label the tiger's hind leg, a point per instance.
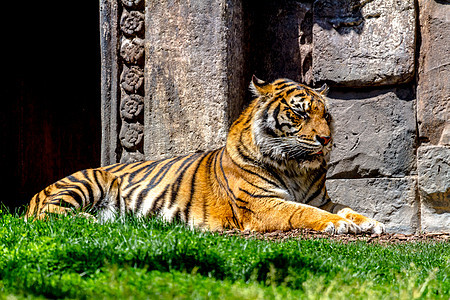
(112, 205)
(83, 192)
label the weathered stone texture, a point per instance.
(363, 43)
(433, 166)
(390, 201)
(194, 83)
(445, 136)
(374, 133)
(433, 91)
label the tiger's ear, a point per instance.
(260, 87)
(323, 90)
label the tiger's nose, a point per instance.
(324, 140)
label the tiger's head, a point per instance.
(291, 124)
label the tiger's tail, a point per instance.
(84, 191)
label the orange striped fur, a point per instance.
(269, 176)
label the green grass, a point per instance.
(75, 258)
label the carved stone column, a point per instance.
(122, 40)
(131, 67)
(172, 76)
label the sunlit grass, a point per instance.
(76, 258)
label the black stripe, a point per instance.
(316, 183)
(266, 128)
(229, 191)
(159, 202)
(116, 168)
(97, 182)
(207, 166)
(126, 165)
(283, 101)
(256, 196)
(290, 220)
(246, 158)
(275, 114)
(275, 99)
(86, 183)
(70, 191)
(283, 81)
(240, 149)
(139, 198)
(58, 201)
(235, 219)
(178, 181)
(323, 197)
(291, 90)
(284, 84)
(313, 196)
(279, 125)
(159, 176)
(326, 202)
(156, 208)
(148, 169)
(110, 167)
(187, 209)
(47, 191)
(59, 185)
(256, 186)
(269, 131)
(276, 176)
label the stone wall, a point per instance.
(175, 76)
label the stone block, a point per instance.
(374, 133)
(363, 43)
(433, 166)
(445, 136)
(194, 84)
(390, 201)
(433, 90)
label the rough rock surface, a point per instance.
(433, 166)
(433, 90)
(374, 133)
(390, 201)
(194, 82)
(363, 43)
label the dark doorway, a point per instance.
(50, 117)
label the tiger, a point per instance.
(269, 176)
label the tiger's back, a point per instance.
(269, 176)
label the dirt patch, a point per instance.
(307, 234)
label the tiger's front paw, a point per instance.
(341, 226)
(366, 224)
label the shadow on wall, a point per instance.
(280, 33)
(343, 16)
